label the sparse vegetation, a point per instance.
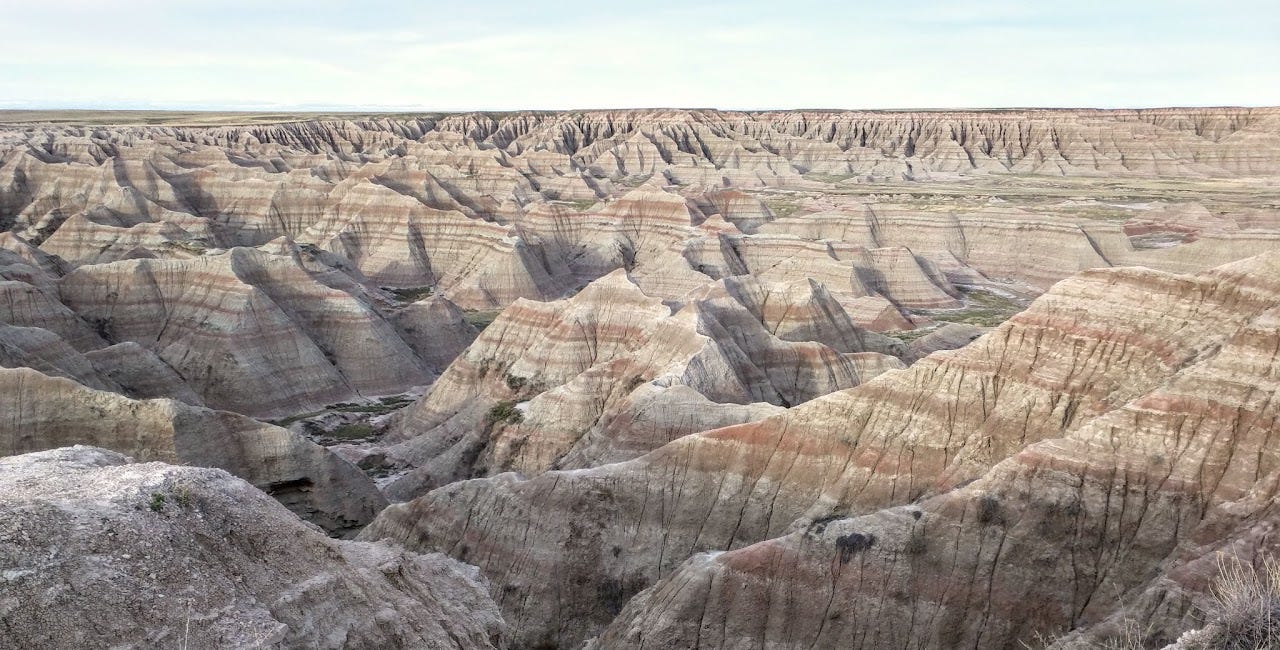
(505, 411)
(383, 406)
(191, 246)
(982, 308)
(907, 336)
(633, 181)
(157, 502)
(516, 382)
(182, 495)
(828, 178)
(411, 294)
(581, 205)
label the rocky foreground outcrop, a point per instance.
(97, 551)
(1105, 437)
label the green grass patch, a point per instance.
(481, 319)
(828, 178)
(581, 205)
(284, 422)
(633, 181)
(355, 431)
(982, 308)
(782, 206)
(907, 336)
(516, 382)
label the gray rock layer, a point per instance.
(96, 551)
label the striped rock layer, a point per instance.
(610, 374)
(1082, 438)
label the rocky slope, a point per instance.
(1117, 520)
(98, 551)
(608, 374)
(142, 234)
(221, 329)
(43, 412)
(1064, 368)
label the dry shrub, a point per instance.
(1246, 604)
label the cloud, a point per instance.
(750, 54)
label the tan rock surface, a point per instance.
(1117, 520)
(1088, 347)
(231, 325)
(548, 383)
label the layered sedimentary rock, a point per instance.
(550, 382)
(1085, 349)
(691, 300)
(492, 210)
(101, 551)
(232, 325)
(43, 412)
(1117, 521)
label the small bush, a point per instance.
(989, 510)
(516, 382)
(480, 319)
(853, 543)
(182, 495)
(157, 501)
(1246, 604)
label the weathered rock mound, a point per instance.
(98, 551)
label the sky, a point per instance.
(425, 55)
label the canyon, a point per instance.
(635, 379)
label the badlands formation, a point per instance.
(636, 379)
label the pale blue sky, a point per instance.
(502, 54)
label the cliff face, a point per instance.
(1060, 371)
(98, 550)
